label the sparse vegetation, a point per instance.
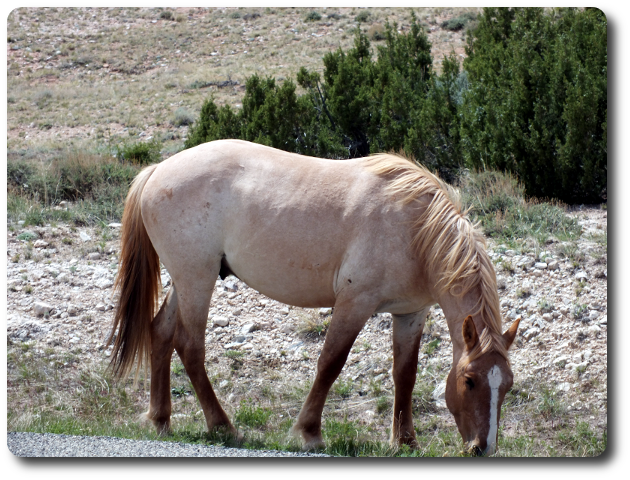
(66, 122)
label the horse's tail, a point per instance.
(137, 282)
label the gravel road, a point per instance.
(24, 444)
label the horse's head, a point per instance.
(475, 390)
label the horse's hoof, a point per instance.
(313, 445)
(163, 428)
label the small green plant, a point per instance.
(234, 354)
(28, 289)
(432, 346)
(579, 311)
(180, 391)
(507, 266)
(28, 236)
(252, 416)
(313, 325)
(549, 405)
(341, 388)
(583, 441)
(382, 405)
(376, 387)
(178, 368)
(15, 258)
(545, 305)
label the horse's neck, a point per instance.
(456, 309)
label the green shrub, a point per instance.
(139, 153)
(458, 23)
(167, 15)
(537, 103)
(531, 101)
(98, 185)
(363, 16)
(182, 117)
(312, 16)
(497, 201)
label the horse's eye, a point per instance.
(470, 383)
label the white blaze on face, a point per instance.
(494, 380)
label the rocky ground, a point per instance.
(60, 299)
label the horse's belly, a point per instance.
(300, 282)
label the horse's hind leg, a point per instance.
(406, 332)
(347, 321)
(162, 331)
(189, 342)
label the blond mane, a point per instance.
(447, 242)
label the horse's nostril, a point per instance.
(475, 451)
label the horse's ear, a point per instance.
(510, 333)
(469, 332)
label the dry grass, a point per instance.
(97, 76)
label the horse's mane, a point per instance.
(447, 242)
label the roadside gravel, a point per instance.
(53, 445)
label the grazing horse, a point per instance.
(368, 235)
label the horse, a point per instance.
(367, 235)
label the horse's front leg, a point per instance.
(162, 331)
(406, 333)
(347, 321)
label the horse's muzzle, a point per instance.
(475, 451)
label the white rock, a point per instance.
(94, 256)
(578, 366)
(531, 333)
(593, 315)
(565, 386)
(603, 320)
(561, 361)
(540, 265)
(288, 329)
(40, 244)
(72, 309)
(439, 395)
(63, 278)
(248, 328)
(284, 311)
(100, 307)
(325, 311)
(581, 276)
(547, 317)
(115, 225)
(220, 321)
(84, 236)
(41, 308)
(553, 265)
(594, 330)
(104, 283)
